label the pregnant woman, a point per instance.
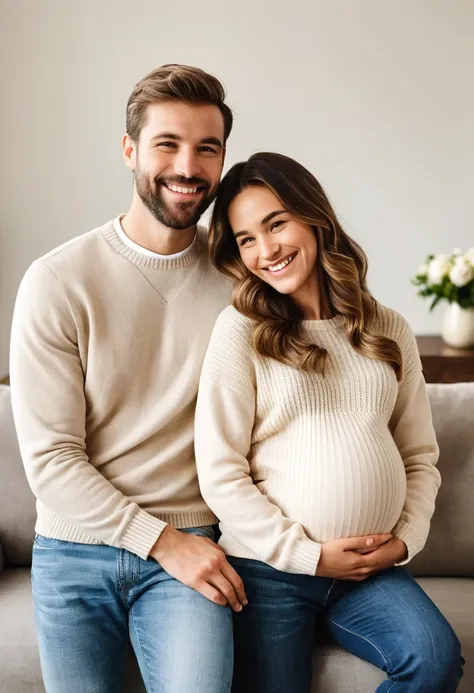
(315, 445)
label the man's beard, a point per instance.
(181, 215)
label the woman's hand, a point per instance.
(358, 558)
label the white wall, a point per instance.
(375, 97)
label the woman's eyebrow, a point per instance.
(264, 221)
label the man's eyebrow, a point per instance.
(166, 135)
(172, 136)
(264, 221)
(212, 140)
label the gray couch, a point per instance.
(445, 568)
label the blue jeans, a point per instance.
(91, 599)
(387, 620)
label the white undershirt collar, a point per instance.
(144, 251)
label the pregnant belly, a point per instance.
(347, 487)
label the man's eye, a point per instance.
(207, 150)
(168, 145)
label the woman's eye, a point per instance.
(276, 224)
(245, 241)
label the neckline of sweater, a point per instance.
(194, 252)
(323, 325)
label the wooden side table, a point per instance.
(444, 364)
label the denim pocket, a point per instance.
(41, 542)
(49, 544)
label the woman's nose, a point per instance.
(269, 248)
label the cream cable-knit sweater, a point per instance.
(288, 460)
(106, 351)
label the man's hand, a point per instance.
(358, 558)
(199, 563)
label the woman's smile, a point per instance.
(281, 265)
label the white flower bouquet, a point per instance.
(447, 277)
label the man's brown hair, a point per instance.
(175, 83)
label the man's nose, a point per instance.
(185, 164)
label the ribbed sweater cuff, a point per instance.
(142, 534)
(305, 557)
(413, 540)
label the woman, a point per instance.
(315, 445)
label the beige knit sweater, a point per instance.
(106, 350)
(288, 460)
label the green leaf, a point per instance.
(437, 299)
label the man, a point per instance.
(108, 337)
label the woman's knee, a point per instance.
(432, 662)
(447, 662)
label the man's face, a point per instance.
(178, 161)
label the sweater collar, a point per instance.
(188, 257)
(323, 325)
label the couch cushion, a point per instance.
(17, 503)
(19, 661)
(2, 561)
(450, 546)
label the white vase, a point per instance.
(458, 326)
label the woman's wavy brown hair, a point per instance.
(341, 264)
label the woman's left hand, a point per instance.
(393, 551)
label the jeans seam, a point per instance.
(392, 687)
(147, 672)
(329, 592)
(362, 637)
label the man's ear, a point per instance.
(129, 150)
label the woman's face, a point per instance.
(273, 244)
